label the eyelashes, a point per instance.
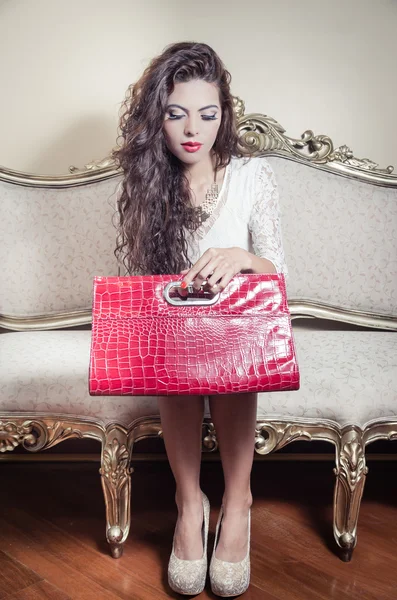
(204, 117)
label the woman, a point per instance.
(191, 204)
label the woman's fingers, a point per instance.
(214, 267)
(221, 282)
(211, 271)
(195, 274)
(201, 271)
(221, 276)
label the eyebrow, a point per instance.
(186, 110)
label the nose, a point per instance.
(191, 126)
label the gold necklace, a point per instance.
(205, 210)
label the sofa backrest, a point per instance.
(340, 239)
(54, 241)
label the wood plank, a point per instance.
(83, 572)
(21, 545)
(39, 591)
(14, 575)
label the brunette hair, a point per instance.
(155, 205)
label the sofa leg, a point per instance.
(350, 472)
(116, 484)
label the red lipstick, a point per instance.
(192, 146)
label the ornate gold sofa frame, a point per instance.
(340, 236)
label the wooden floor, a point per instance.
(52, 542)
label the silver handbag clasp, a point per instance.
(200, 298)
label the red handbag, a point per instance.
(147, 339)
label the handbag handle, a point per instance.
(188, 301)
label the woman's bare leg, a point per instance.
(234, 417)
(181, 422)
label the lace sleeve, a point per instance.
(264, 222)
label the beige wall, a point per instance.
(329, 66)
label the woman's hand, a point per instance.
(217, 266)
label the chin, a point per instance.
(189, 159)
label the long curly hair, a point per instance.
(155, 203)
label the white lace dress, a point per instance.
(246, 215)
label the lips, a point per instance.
(191, 147)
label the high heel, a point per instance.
(188, 576)
(230, 578)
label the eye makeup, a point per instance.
(173, 117)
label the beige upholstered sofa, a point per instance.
(339, 219)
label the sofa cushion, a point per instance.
(346, 376)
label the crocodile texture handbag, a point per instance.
(148, 339)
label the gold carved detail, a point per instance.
(96, 165)
(344, 155)
(260, 134)
(383, 429)
(238, 106)
(115, 463)
(350, 472)
(115, 474)
(34, 435)
(58, 432)
(209, 441)
(12, 435)
(273, 435)
(351, 467)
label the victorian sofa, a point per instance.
(339, 221)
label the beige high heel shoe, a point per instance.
(230, 578)
(188, 576)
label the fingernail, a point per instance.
(183, 285)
